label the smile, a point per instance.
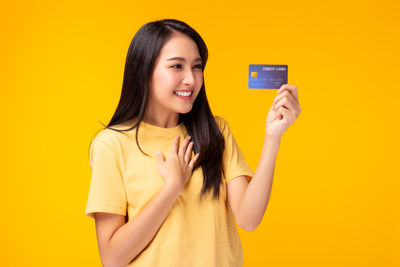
(183, 93)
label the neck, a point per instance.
(162, 120)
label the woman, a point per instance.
(168, 178)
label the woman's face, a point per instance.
(177, 70)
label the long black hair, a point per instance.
(199, 122)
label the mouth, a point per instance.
(184, 94)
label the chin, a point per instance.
(185, 110)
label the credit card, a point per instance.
(267, 76)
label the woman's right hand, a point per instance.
(177, 168)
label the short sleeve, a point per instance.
(107, 190)
(234, 163)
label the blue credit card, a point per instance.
(267, 76)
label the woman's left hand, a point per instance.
(283, 112)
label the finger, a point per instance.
(282, 95)
(286, 114)
(183, 146)
(193, 161)
(160, 156)
(175, 142)
(287, 95)
(288, 103)
(188, 152)
(291, 88)
(276, 116)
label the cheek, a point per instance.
(161, 84)
(164, 78)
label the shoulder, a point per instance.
(221, 122)
(224, 127)
(109, 137)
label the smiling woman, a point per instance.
(177, 76)
(178, 210)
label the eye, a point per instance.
(198, 66)
(180, 66)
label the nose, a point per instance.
(188, 78)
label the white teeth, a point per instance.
(183, 93)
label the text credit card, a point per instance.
(267, 76)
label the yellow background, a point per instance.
(335, 196)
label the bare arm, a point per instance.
(249, 201)
(119, 242)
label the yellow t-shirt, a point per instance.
(124, 181)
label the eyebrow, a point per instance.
(182, 59)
